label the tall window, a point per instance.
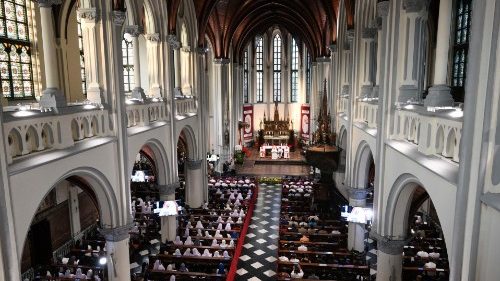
(277, 68)
(295, 72)
(308, 77)
(461, 45)
(15, 50)
(259, 70)
(83, 75)
(128, 63)
(245, 76)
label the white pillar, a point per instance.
(368, 66)
(414, 46)
(89, 20)
(194, 186)
(390, 259)
(440, 92)
(177, 63)
(117, 252)
(51, 97)
(356, 231)
(221, 117)
(134, 31)
(168, 224)
(154, 61)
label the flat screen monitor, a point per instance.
(166, 208)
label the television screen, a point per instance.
(166, 208)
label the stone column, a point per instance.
(367, 74)
(89, 19)
(134, 31)
(168, 224)
(440, 92)
(414, 48)
(390, 259)
(382, 12)
(333, 97)
(203, 111)
(194, 183)
(174, 44)
(153, 41)
(117, 252)
(221, 115)
(177, 64)
(356, 231)
(52, 97)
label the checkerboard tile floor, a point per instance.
(258, 258)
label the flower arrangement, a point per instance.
(270, 180)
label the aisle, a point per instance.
(258, 258)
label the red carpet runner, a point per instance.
(243, 234)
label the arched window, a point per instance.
(128, 63)
(259, 70)
(245, 76)
(295, 72)
(15, 50)
(277, 68)
(308, 77)
(461, 46)
(83, 75)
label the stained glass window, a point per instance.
(308, 77)
(277, 68)
(295, 72)
(83, 75)
(16, 71)
(245, 77)
(259, 70)
(461, 45)
(128, 63)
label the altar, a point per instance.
(275, 151)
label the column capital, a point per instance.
(415, 6)
(357, 193)
(383, 9)
(323, 59)
(134, 30)
(193, 164)
(88, 14)
(169, 189)
(369, 33)
(116, 234)
(202, 50)
(186, 49)
(118, 17)
(173, 41)
(332, 48)
(222, 61)
(388, 245)
(48, 3)
(153, 37)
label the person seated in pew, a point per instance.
(216, 254)
(304, 238)
(172, 277)
(294, 259)
(177, 253)
(297, 272)
(322, 230)
(178, 241)
(313, 277)
(171, 267)
(302, 230)
(206, 253)
(225, 255)
(283, 258)
(188, 241)
(220, 269)
(196, 253)
(183, 268)
(302, 248)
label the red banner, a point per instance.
(248, 118)
(305, 117)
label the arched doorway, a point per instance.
(190, 170)
(63, 236)
(412, 218)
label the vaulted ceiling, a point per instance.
(236, 22)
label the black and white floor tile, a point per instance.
(258, 258)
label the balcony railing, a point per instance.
(185, 107)
(435, 133)
(367, 112)
(28, 130)
(145, 113)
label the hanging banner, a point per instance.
(305, 116)
(248, 119)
